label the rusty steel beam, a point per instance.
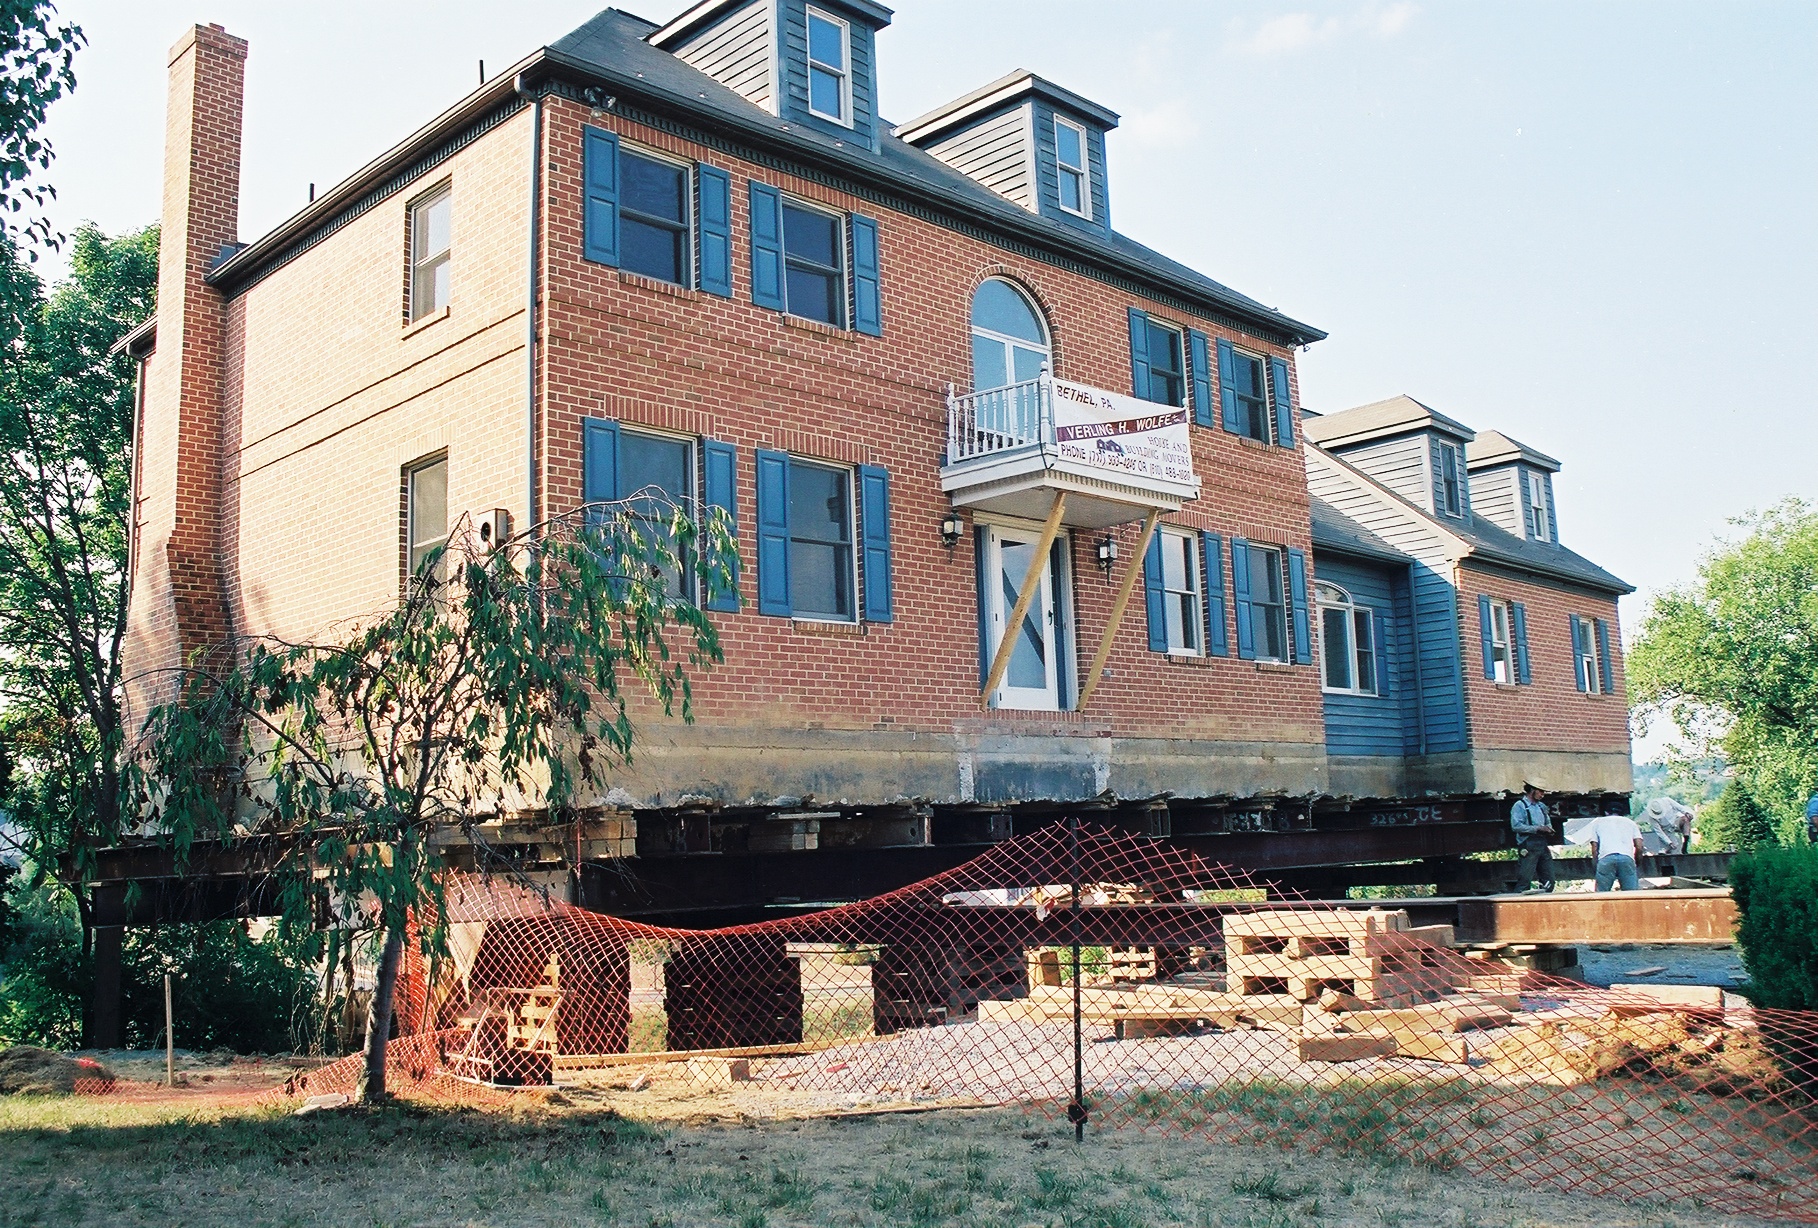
(1694, 916)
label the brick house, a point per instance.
(932, 386)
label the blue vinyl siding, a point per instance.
(1047, 174)
(793, 18)
(1433, 602)
(1373, 724)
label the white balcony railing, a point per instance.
(1000, 419)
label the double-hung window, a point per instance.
(1268, 607)
(1501, 649)
(656, 478)
(1183, 589)
(1167, 378)
(1348, 641)
(1070, 162)
(1247, 383)
(1590, 653)
(653, 218)
(820, 541)
(426, 514)
(814, 278)
(1537, 502)
(1451, 492)
(430, 244)
(829, 77)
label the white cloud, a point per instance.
(1293, 32)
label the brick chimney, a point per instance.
(178, 601)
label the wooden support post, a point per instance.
(1117, 608)
(1012, 625)
(170, 1039)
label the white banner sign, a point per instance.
(1121, 434)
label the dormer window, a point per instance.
(829, 79)
(1451, 466)
(1070, 158)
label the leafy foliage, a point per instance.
(1737, 821)
(66, 419)
(1732, 660)
(496, 683)
(37, 67)
(1776, 892)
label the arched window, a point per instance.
(1347, 642)
(1009, 340)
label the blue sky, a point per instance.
(1589, 225)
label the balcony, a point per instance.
(1011, 450)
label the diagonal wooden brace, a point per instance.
(1117, 608)
(1000, 661)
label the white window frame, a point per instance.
(423, 266)
(1587, 658)
(1452, 501)
(1286, 606)
(689, 238)
(1502, 640)
(853, 545)
(1332, 597)
(1193, 629)
(1063, 169)
(1542, 511)
(844, 119)
(1011, 344)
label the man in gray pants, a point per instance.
(1533, 836)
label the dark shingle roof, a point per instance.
(1498, 545)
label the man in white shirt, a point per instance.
(1615, 843)
(1673, 821)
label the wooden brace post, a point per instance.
(1117, 608)
(1000, 661)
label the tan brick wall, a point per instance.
(1550, 713)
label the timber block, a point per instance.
(1312, 923)
(1344, 1048)
(1426, 1046)
(1320, 967)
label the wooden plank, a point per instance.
(1322, 967)
(1344, 1048)
(1132, 570)
(590, 1061)
(1441, 1016)
(1038, 559)
(1289, 923)
(1427, 1046)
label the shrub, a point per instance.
(1776, 891)
(1737, 821)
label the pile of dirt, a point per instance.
(25, 1071)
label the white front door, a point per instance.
(1033, 677)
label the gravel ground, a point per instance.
(1684, 964)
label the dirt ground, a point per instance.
(194, 1157)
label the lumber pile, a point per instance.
(511, 1041)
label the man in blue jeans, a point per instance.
(1615, 843)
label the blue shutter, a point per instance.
(773, 532)
(599, 460)
(1202, 377)
(1154, 596)
(1518, 615)
(1218, 644)
(714, 229)
(1283, 403)
(720, 460)
(1297, 593)
(1487, 635)
(600, 192)
(874, 529)
(1240, 594)
(766, 246)
(1605, 682)
(1578, 673)
(1139, 354)
(867, 303)
(1227, 387)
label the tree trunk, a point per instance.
(378, 1021)
(324, 1039)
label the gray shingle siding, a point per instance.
(1495, 497)
(1400, 464)
(996, 152)
(736, 52)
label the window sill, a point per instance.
(1506, 686)
(1192, 659)
(1260, 445)
(816, 326)
(1273, 667)
(817, 626)
(433, 318)
(1328, 690)
(657, 284)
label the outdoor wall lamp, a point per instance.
(1107, 553)
(951, 528)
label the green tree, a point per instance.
(37, 67)
(66, 422)
(498, 680)
(1737, 821)
(1732, 660)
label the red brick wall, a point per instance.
(1550, 713)
(620, 347)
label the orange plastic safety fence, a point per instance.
(1202, 1007)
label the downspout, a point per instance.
(530, 302)
(1420, 689)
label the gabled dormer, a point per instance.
(1512, 486)
(812, 62)
(1030, 141)
(1414, 450)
